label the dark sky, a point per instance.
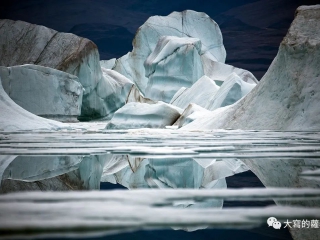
(252, 29)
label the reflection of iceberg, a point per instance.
(50, 173)
(177, 173)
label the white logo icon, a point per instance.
(276, 225)
(271, 220)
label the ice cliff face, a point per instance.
(15, 118)
(26, 43)
(104, 91)
(287, 96)
(43, 91)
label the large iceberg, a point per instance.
(43, 91)
(27, 43)
(179, 24)
(287, 98)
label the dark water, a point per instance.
(153, 160)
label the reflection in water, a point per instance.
(51, 173)
(154, 160)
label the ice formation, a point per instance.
(232, 89)
(174, 63)
(144, 115)
(192, 112)
(50, 173)
(15, 118)
(27, 43)
(199, 93)
(108, 64)
(287, 96)
(43, 91)
(178, 24)
(177, 59)
(112, 91)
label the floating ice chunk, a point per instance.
(232, 90)
(43, 91)
(199, 93)
(174, 63)
(143, 115)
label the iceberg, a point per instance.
(192, 112)
(287, 96)
(232, 89)
(51, 173)
(111, 94)
(15, 118)
(27, 43)
(286, 99)
(144, 115)
(108, 64)
(178, 24)
(219, 71)
(199, 93)
(43, 91)
(174, 63)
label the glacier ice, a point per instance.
(179, 24)
(144, 115)
(108, 64)
(51, 173)
(192, 112)
(232, 89)
(27, 43)
(110, 95)
(286, 99)
(174, 63)
(15, 118)
(287, 96)
(199, 93)
(43, 91)
(219, 71)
